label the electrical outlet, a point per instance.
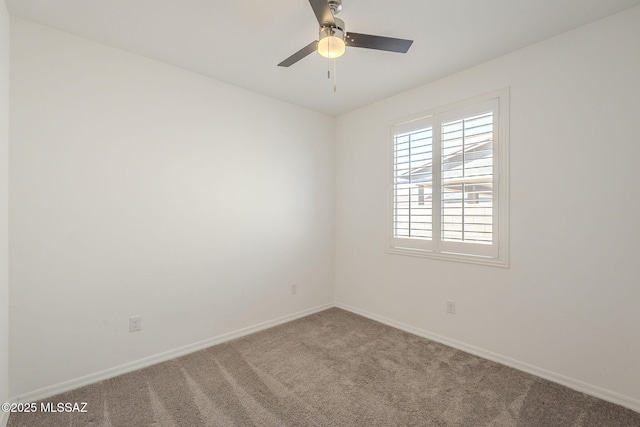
(135, 323)
(294, 289)
(451, 307)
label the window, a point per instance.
(449, 190)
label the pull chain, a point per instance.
(335, 83)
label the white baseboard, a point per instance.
(49, 391)
(574, 384)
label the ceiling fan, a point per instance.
(333, 38)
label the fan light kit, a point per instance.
(331, 43)
(333, 39)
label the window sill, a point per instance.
(445, 256)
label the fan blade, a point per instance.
(299, 54)
(378, 42)
(323, 13)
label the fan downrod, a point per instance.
(335, 6)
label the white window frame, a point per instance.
(495, 254)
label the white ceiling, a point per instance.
(241, 41)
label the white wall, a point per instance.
(138, 188)
(142, 189)
(4, 205)
(568, 305)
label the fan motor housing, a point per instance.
(337, 31)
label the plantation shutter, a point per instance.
(412, 202)
(468, 180)
(445, 182)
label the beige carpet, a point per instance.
(333, 368)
